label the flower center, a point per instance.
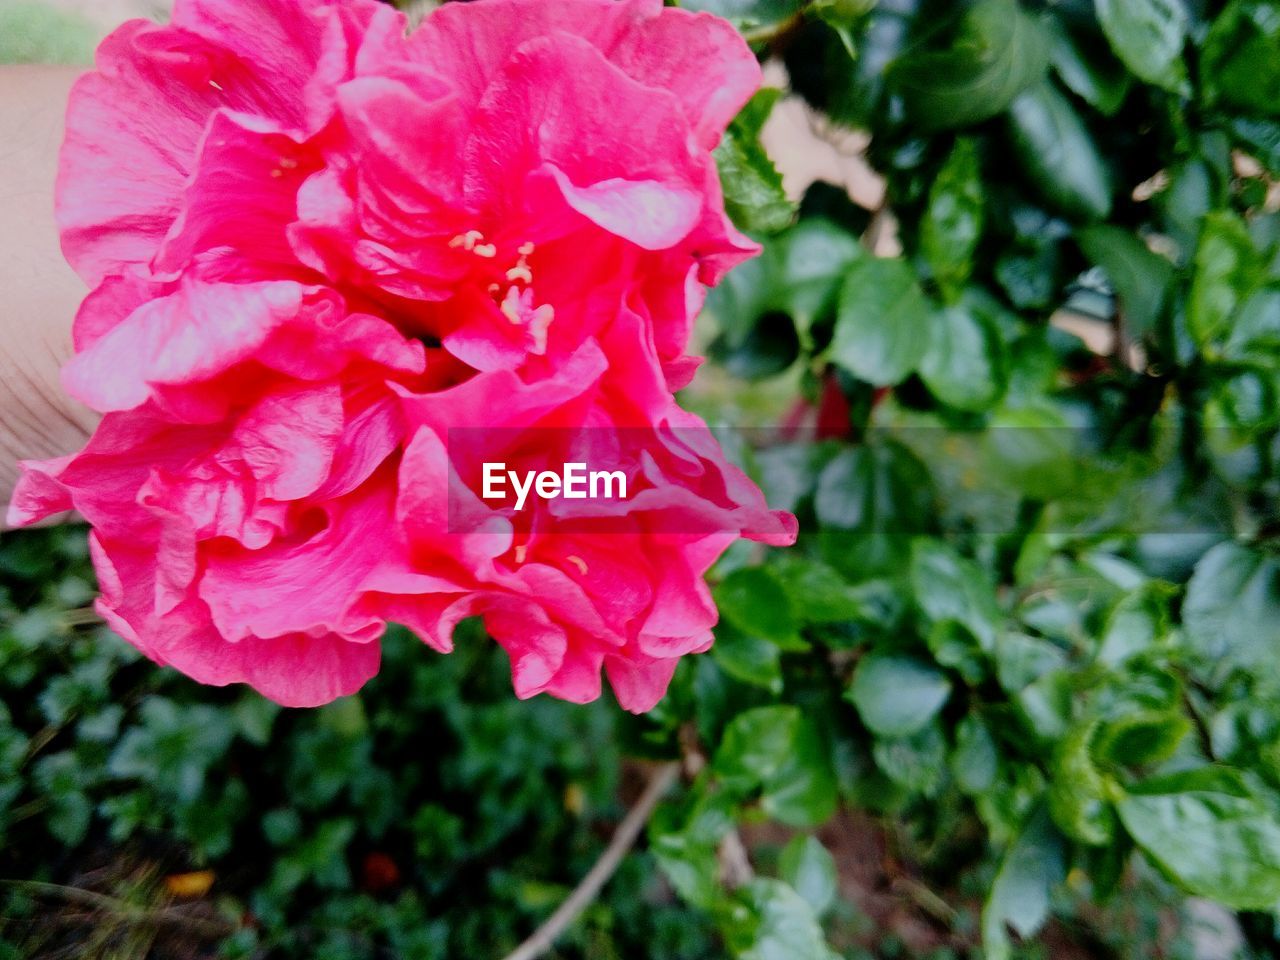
(512, 289)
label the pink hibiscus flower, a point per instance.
(320, 245)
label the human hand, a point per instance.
(39, 293)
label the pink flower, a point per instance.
(248, 451)
(278, 203)
(568, 587)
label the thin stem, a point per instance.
(586, 892)
(770, 32)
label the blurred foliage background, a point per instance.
(1013, 695)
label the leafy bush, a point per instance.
(1030, 627)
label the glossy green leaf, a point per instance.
(1138, 624)
(1059, 155)
(916, 763)
(777, 752)
(975, 762)
(753, 193)
(1142, 279)
(882, 322)
(1078, 793)
(997, 51)
(810, 870)
(1205, 829)
(1240, 66)
(755, 602)
(1232, 609)
(896, 695)
(953, 221)
(948, 586)
(965, 365)
(1019, 897)
(770, 921)
(818, 593)
(1086, 65)
(1149, 35)
(802, 792)
(748, 658)
(1227, 271)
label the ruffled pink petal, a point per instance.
(639, 682)
(700, 58)
(471, 45)
(242, 194)
(307, 586)
(192, 334)
(293, 670)
(558, 92)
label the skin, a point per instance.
(41, 293)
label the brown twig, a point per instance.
(544, 938)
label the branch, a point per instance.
(623, 839)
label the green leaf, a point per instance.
(778, 751)
(997, 52)
(748, 658)
(1142, 279)
(747, 14)
(1142, 738)
(1149, 35)
(949, 587)
(974, 761)
(1205, 829)
(685, 841)
(753, 194)
(755, 602)
(810, 869)
(953, 221)
(895, 695)
(1232, 609)
(818, 593)
(1032, 450)
(767, 307)
(1020, 894)
(965, 364)
(873, 488)
(1138, 624)
(1088, 68)
(1078, 797)
(802, 791)
(882, 322)
(770, 921)
(868, 502)
(1241, 59)
(915, 763)
(61, 779)
(1227, 271)
(1059, 155)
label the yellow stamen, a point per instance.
(579, 563)
(467, 240)
(511, 305)
(538, 325)
(521, 552)
(520, 272)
